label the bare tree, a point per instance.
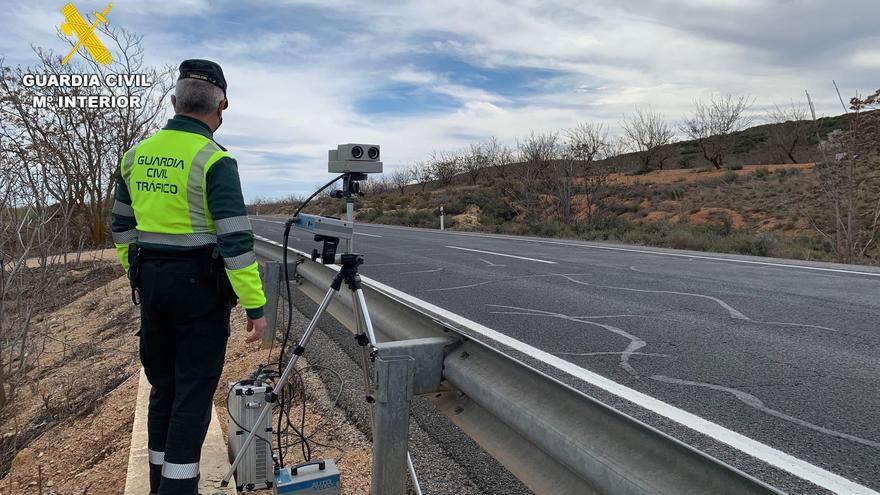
(792, 129)
(400, 178)
(421, 173)
(564, 174)
(474, 161)
(499, 156)
(714, 125)
(376, 184)
(587, 143)
(849, 178)
(649, 136)
(34, 233)
(445, 165)
(537, 153)
(57, 165)
(80, 146)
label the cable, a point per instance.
(285, 243)
(306, 448)
(325, 186)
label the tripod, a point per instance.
(351, 189)
(348, 273)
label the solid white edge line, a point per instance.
(502, 254)
(635, 250)
(738, 441)
(369, 235)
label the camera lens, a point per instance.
(357, 152)
(373, 153)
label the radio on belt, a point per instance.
(315, 478)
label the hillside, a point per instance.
(757, 205)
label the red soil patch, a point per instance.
(695, 175)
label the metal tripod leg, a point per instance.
(282, 382)
(365, 359)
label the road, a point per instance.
(781, 351)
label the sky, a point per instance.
(417, 76)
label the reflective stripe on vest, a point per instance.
(195, 195)
(127, 165)
(241, 261)
(183, 240)
(126, 237)
(232, 224)
(122, 209)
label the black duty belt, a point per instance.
(208, 255)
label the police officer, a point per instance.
(183, 235)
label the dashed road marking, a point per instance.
(502, 254)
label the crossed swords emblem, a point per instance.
(76, 24)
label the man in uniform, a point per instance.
(183, 235)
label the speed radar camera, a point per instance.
(355, 158)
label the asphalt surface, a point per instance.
(784, 352)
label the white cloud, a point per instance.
(296, 84)
(868, 59)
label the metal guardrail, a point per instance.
(554, 438)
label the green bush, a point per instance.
(762, 244)
(762, 173)
(729, 177)
(674, 192)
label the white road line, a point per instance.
(502, 254)
(282, 223)
(774, 457)
(267, 221)
(643, 251)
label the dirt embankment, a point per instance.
(70, 430)
(680, 175)
(70, 425)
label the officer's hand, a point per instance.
(257, 326)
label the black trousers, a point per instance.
(184, 329)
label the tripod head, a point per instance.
(351, 186)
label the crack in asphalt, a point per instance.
(756, 403)
(734, 313)
(635, 343)
(421, 271)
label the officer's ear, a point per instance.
(174, 102)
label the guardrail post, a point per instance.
(391, 424)
(402, 370)
(272, 289)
